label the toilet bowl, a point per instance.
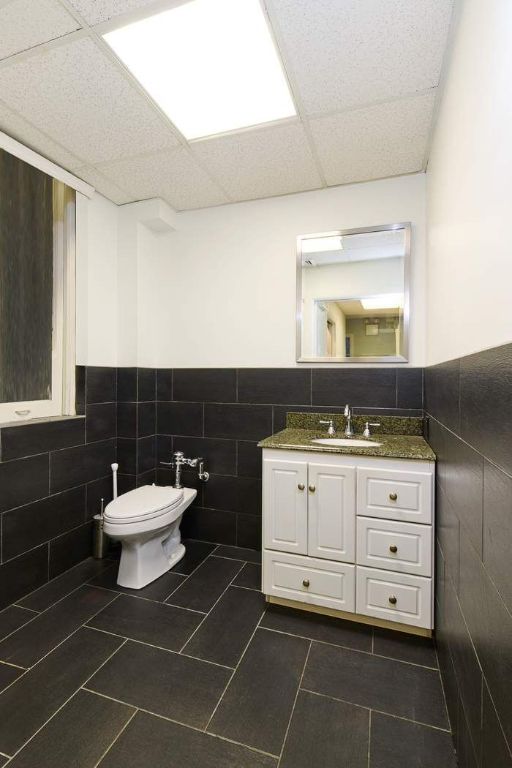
(147, 523)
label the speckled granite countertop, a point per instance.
(409, 445)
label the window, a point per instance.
(37, 292)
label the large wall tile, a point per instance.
(242, 422)
(28, 526)
(486, 416)
(442, 393)
(179, 419)
(214, 385)
(238, 494)
(23, 574)
(164, 384)
(498, 529)
(146, 384)
(274, 385)
(23, 481)
(372, 387)
(219, 455)
(101, 385)
(218, 526)
(69, 549)
(74, 466)
(495, 753)
(126, 385)
(409, 388)
(29, 439)
(100, 421)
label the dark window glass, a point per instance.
(26, 281)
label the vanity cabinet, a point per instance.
(351, 534)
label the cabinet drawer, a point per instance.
(318, 582)
(397, 546)
(394, 596)
(394, 494)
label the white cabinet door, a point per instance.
(285, 505)
(332, 512)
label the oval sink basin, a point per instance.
(346, 442)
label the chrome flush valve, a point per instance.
(179, 460)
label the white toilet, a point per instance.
(147, 523)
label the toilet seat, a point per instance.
(144, 503)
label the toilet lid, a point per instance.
(143, 503)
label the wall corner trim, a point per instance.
(155, 214)
(43, 164)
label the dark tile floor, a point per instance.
(194, 671)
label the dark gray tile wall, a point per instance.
(136, 426)
(222, 413)
(470, 429)
(52, 476)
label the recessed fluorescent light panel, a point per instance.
(210, 65)
(385, 301)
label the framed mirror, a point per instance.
(353, 295)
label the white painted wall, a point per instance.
(220, 289)
(469, 189)
(96, 281)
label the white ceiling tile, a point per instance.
(347, 53)
(104, 186)
(261, 163)
(370, 143)
(173, 176)
(96, 11)
(76, 94)
(25, 24)
(18, 128)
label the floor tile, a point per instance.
(3, 760)
(12, 618)
(398, 645)
(151, 741)
(318, 627)
(30, 643)
(27, 705)
(148, 622)
(157, 590)
(196, 551)
(239, 553)
(226, 631)
(165, 683)
(249, 577)
(398, 743)
(389, 686)
(318, 734)
(256, 707)
(78, 735)
(8, 675)
(58, 588)
(201, 591)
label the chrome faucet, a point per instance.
(331, 430)
(179, 460)
(369, 424)
(349, 432)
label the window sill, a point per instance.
(42, 420)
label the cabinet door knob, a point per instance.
(312, 488)
(301, 486)
(305, 583)
(392, 600)
(393, 548)
(393, 496)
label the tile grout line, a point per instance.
(180, 723)
(379, 711)
(211, 609)
(66, 701)
(234, 672)
(369, 737)
(294, 704)
(98, 762)
(355, 650)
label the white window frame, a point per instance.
(62, 400)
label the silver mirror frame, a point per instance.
(406, 226)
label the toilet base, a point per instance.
(144, 561)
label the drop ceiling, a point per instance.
(364, 75)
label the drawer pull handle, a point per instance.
(301, 486)
(312, 488)
(392, 600)
(393, 496)
(393, 548)
(305, 582)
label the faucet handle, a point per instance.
(367, 426)
(330, 422)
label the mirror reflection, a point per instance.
(352, 295)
